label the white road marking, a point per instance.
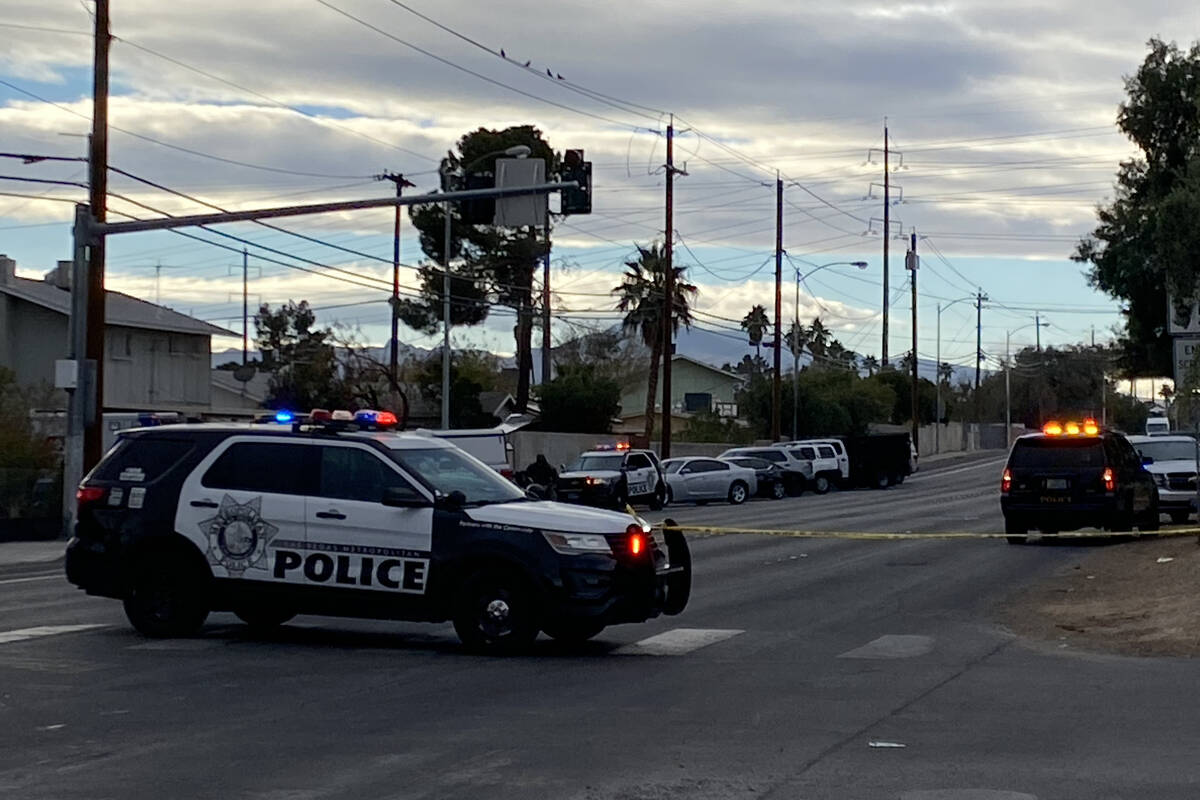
(992, 463)
(892, 646)
(676, 642)
(30, 580)
(23, 634)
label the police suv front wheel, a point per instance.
(166, 601)
(497, 612)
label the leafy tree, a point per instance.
(640, 296)
(749, 366)
(708, 426)
(900, 382)
(299, 357)
(497, 263)
(580, 399)
(1147, 242)
(829, 401)
(755, 324)
(367, 380)
(471, 372)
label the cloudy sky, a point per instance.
(1003, 113)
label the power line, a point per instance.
(179, 148)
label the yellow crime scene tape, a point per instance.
(671, 525)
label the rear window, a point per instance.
(1057, 453)
(142, 460)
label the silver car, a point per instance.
(699, 480)
(1172, 460)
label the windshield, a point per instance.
(448, 469)
(671, 467)
(589, 463)
(1168, 451)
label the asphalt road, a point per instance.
(794, 656)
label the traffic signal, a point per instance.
(480, 210)
(575, 169)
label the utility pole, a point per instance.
(394, 345)
(887, 235)
(937, 385)
(93, 435)
(246, 304)
(546, 344)
(1037, 327)
(776, 395)
(979, 298)
(158, 283)
(668, 346)
(1007, 392)
(916, 416)
(446, 242)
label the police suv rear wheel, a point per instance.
(497, 613)
(166, 601)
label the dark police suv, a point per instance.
(1072, 476)
(270, 521)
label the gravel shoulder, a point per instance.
(1123, 597)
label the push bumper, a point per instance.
(617, 590)
(1169, 500)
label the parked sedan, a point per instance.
(771, 479)
(699, 480)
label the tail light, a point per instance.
(637, 540)
(1006, 481)
(86, 495)
(1110, 480)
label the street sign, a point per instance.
(514, 212)
(1184, 317)
(1187, 351)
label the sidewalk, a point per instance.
(16, 553)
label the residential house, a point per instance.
(695, 387)
(155, 359)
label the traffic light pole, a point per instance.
(89, 233)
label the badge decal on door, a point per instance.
(238, 536)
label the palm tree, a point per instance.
(945, 372)
(640, 296)
(818, 338)
(872, 365)
(755, 324)
(906, 363)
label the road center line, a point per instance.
(23, 634)
(676, 642)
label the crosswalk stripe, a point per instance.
(22, 634)
(677, 642)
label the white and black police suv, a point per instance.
(271, 521)
(613, 476)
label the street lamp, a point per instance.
(516, 151)
(1038, 324)
(937, 428)
(796, 350)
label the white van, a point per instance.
(1156, 426)
(489, 445)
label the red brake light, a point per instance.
(1006, 481)
(88, 494)
(1110, 480)
(320, 415)
(637, 539)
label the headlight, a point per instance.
(1160, 479)
(573, 544)
(597, 481)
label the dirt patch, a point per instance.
(1118, 598)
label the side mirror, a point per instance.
(396, 497)
(1147, 460)
(453, 501)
